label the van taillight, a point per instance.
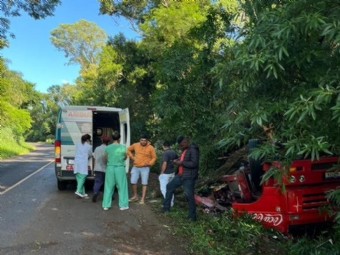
(57, 151)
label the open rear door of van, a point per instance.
(124, 118)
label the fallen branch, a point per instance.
(226, 168)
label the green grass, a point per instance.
(220, 234)
(11, 145)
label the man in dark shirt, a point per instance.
(187, 175)
(167, 168)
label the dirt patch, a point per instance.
(147, 233)
(147, 239)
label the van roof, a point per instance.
(89, 107)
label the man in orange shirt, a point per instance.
(143, 155)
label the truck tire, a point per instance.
(61, 185)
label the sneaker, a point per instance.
(78, 194)
(124, 208)
(106, 208)
(94, 198)
(85, 195)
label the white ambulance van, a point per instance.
(75, 121)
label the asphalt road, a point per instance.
(17, 168)
(36, 218)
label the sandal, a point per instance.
(133, 199)
(141, 202)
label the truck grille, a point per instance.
(314, 201)
(323, 166)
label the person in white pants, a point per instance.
(167, 171)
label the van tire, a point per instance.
(61, 185)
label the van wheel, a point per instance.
(61, 185)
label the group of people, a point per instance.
(109, 167)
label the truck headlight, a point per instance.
(302, 178)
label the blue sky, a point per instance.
(33, 54)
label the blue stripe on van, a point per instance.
(67, 141)
(58, 130)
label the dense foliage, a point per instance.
(288, 62)
(16, 95)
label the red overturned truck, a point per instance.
(301, 202)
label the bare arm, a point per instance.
(163, 167)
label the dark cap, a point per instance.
(105, 138)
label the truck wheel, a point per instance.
(61, 185)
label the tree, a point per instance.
(16, 96)
(130, 9)
(126, 74)
(81, 42)
(44, 113)
(189, 98)
(110, 74)
(184, 42)
(37, 9)
(289, 78)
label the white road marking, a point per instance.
(27, 177)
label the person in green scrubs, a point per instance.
(115, 174)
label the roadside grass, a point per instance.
(220, 234)
(324, 244)
(11, 145)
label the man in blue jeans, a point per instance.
(187, 175)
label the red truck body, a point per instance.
(302, 201)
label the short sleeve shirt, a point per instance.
(168, 156)
(115, 154)
(100, 161)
